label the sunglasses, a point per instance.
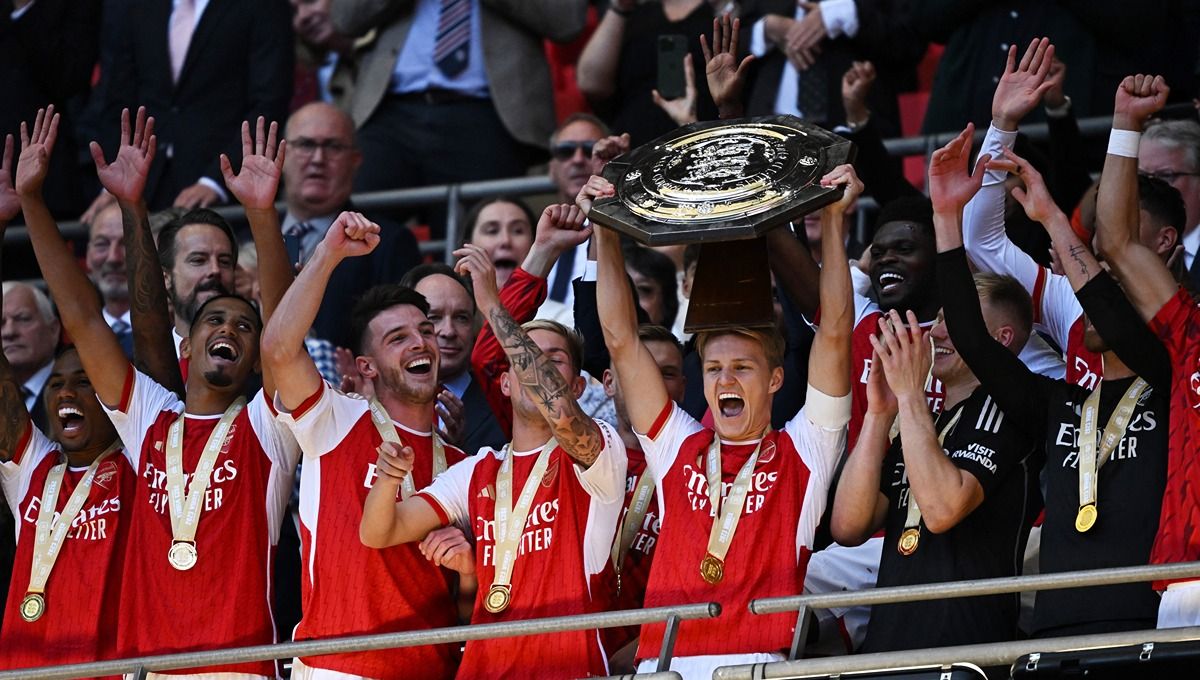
(564, 151)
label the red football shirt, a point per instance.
(1059, 312)
(774, 536)
(635, 571)
(1178, 539)
(225, 600)
(563, 552)
(83, 593)
(347, 588)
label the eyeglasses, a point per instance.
(1169, 176)
(308, 147)
(565, 151)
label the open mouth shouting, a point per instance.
(223, 351)
(71, 419)
(731, 404)
(889, 281)
(420, 366)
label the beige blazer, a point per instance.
(517, 73)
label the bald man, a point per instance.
(318, 174)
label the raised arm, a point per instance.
(14, 417)
(255, 187)
(596, 71)
(554, 396)
(726, 75)
(76, 298)
(829, 360)
(859, 507)
(125, 180)
(283, 354)
(1146, 280)
(945, 492)
(618, 318)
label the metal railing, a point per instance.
(455, 195)
(984, 654)
(361, 643)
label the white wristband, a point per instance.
(1124, 143)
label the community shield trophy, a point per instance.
(723, 184)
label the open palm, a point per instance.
(951, 184)
(1022, 85)
(10, 203)
(257, 182)
(724, 73)
(36, 148)
(125, 177)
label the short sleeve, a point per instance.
(661, 444)
(322, 420)
(1175, 324)
(604, 479)
(142, 402)
(16, 474)
(992, 447)
(277, 440)
(450, 493)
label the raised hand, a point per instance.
(856, 85)
(880, 400)
(453, 416)
(607, 149)
(10, 203)
(1056, 79)
(561, 227)
(843, 176)
(805, 36)
(125, 177)
(904, 353)
(473, 261)
(256, 185)
(1034, 197)
(448, 547)
(725, 75)
(36, 148)
(1138, 98)
(682, 110)
(596, 187)
(1022, 85)
(394, 464)
(951, 184)
(351, 235)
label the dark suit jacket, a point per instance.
(396, 253)
(482, 428)
(238, 67)
(46, 57)
(885, 36)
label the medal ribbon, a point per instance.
(727, 514)
(642, 493)
(387, 431)
(50, 535)
(185, 509)
(913, 519)
(510, 520)
(1114, 431)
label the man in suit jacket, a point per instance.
(29, 333)
(106, 268)
(234, 64)
(449, 90)
(452, 311)
(804, 48)
(318, 175)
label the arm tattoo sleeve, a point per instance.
(153, 345)
(573, 429)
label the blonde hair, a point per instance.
(769, 338)
(574, 340)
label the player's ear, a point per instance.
(185, 348)
(505, 387)
(776, 380)
(366, 367)
(609, 380)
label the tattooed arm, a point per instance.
(14, 418)
(537, 371)
(150, 317)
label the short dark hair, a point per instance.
(660, 269)
(691, 255)
(166, 237)
(226, 296)
(650, 332)
(472, 215)
(1163, 202)
(376, 300)
(423, 271)
(915, 209)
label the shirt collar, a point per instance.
(110, 319)
(1191, 241)
(458, 385)
(38, 380)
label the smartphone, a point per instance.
(292, 243)
(671, 50)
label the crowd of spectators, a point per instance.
(986, 370)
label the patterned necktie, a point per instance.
(813, 97)
(452, 46)
(119, 328)
(298, 231)
(183, 21)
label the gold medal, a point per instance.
(712, 569)
(1086, 518)
(182, 555)
(33, 606)
(908, 541)
(497, 599)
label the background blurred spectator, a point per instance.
(1170, 151)
(451, 90)
(318, 175)
(502, 226)
(200, 67)
(318, 46)
(106, 268)
(29, 333)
